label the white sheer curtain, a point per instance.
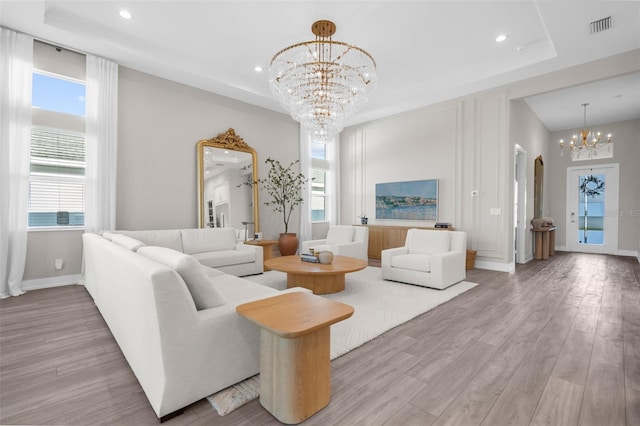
(333, 181)
(101, 144)
(16, 65)
(332, 199)
(305, 168)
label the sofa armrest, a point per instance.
(389, 253)
(356, 249)
(248, 247)
(448, 266)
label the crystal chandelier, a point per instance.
(586, 139)
(321, 82)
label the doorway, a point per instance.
(519, 207)
(592, 206)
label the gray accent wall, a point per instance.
(159, 125)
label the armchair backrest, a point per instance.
(426, 241)
(361, 234)
(340, 234)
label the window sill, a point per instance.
(55, 228)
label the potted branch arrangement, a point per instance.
(284, 185)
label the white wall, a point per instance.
(626, 152)
(462, 143)
(530, 133)
(468, 143)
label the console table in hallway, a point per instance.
(545, 241)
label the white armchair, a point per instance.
(429, 258)
(342, 240)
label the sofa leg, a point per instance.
(171, 415)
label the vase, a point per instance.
(325, 257)
(288, 244)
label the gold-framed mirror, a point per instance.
(538, 181)
(226, 167)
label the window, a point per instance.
(319, 168)
(57, 179)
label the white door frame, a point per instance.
(612, 194)
(520, 175)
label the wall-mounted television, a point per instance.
(412, 200)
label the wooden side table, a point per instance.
(545, 241)
(267, 249)
(295, 368)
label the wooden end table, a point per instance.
(267, 248)
(319, 278)
(295, 367)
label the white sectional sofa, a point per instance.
(214, 247)
(173, 318)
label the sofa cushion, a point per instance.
(340, 234)
(127, 242)
(169, 238)
(412, 262)
(428, 242)
(216, 259)
(199, 284)
(108, 235)
(208, 239)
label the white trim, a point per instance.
(520, 174)
(612, 170)
(50, 282)
(631, 253)
(495, 266)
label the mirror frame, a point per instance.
(231, 141)
(538, 181)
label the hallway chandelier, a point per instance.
(585, 139)
(321, 82)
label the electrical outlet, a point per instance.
(59, 264)
(496, 211)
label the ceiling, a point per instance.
(426, 51)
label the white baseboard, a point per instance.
(495, 266)
(631, 253)
(50, 282)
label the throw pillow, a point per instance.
(200, 286)
(127, 242)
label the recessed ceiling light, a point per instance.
(501, 38)
(126, 14)
(257, 68)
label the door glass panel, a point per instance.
(591, 189)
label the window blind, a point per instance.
(57, 186)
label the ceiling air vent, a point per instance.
(601, 25)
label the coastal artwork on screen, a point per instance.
(413, 200)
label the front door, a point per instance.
(592, 205)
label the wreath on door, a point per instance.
(591, 186)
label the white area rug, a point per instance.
(378, 307)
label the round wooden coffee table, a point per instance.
(319, 278)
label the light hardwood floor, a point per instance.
(555, 343)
